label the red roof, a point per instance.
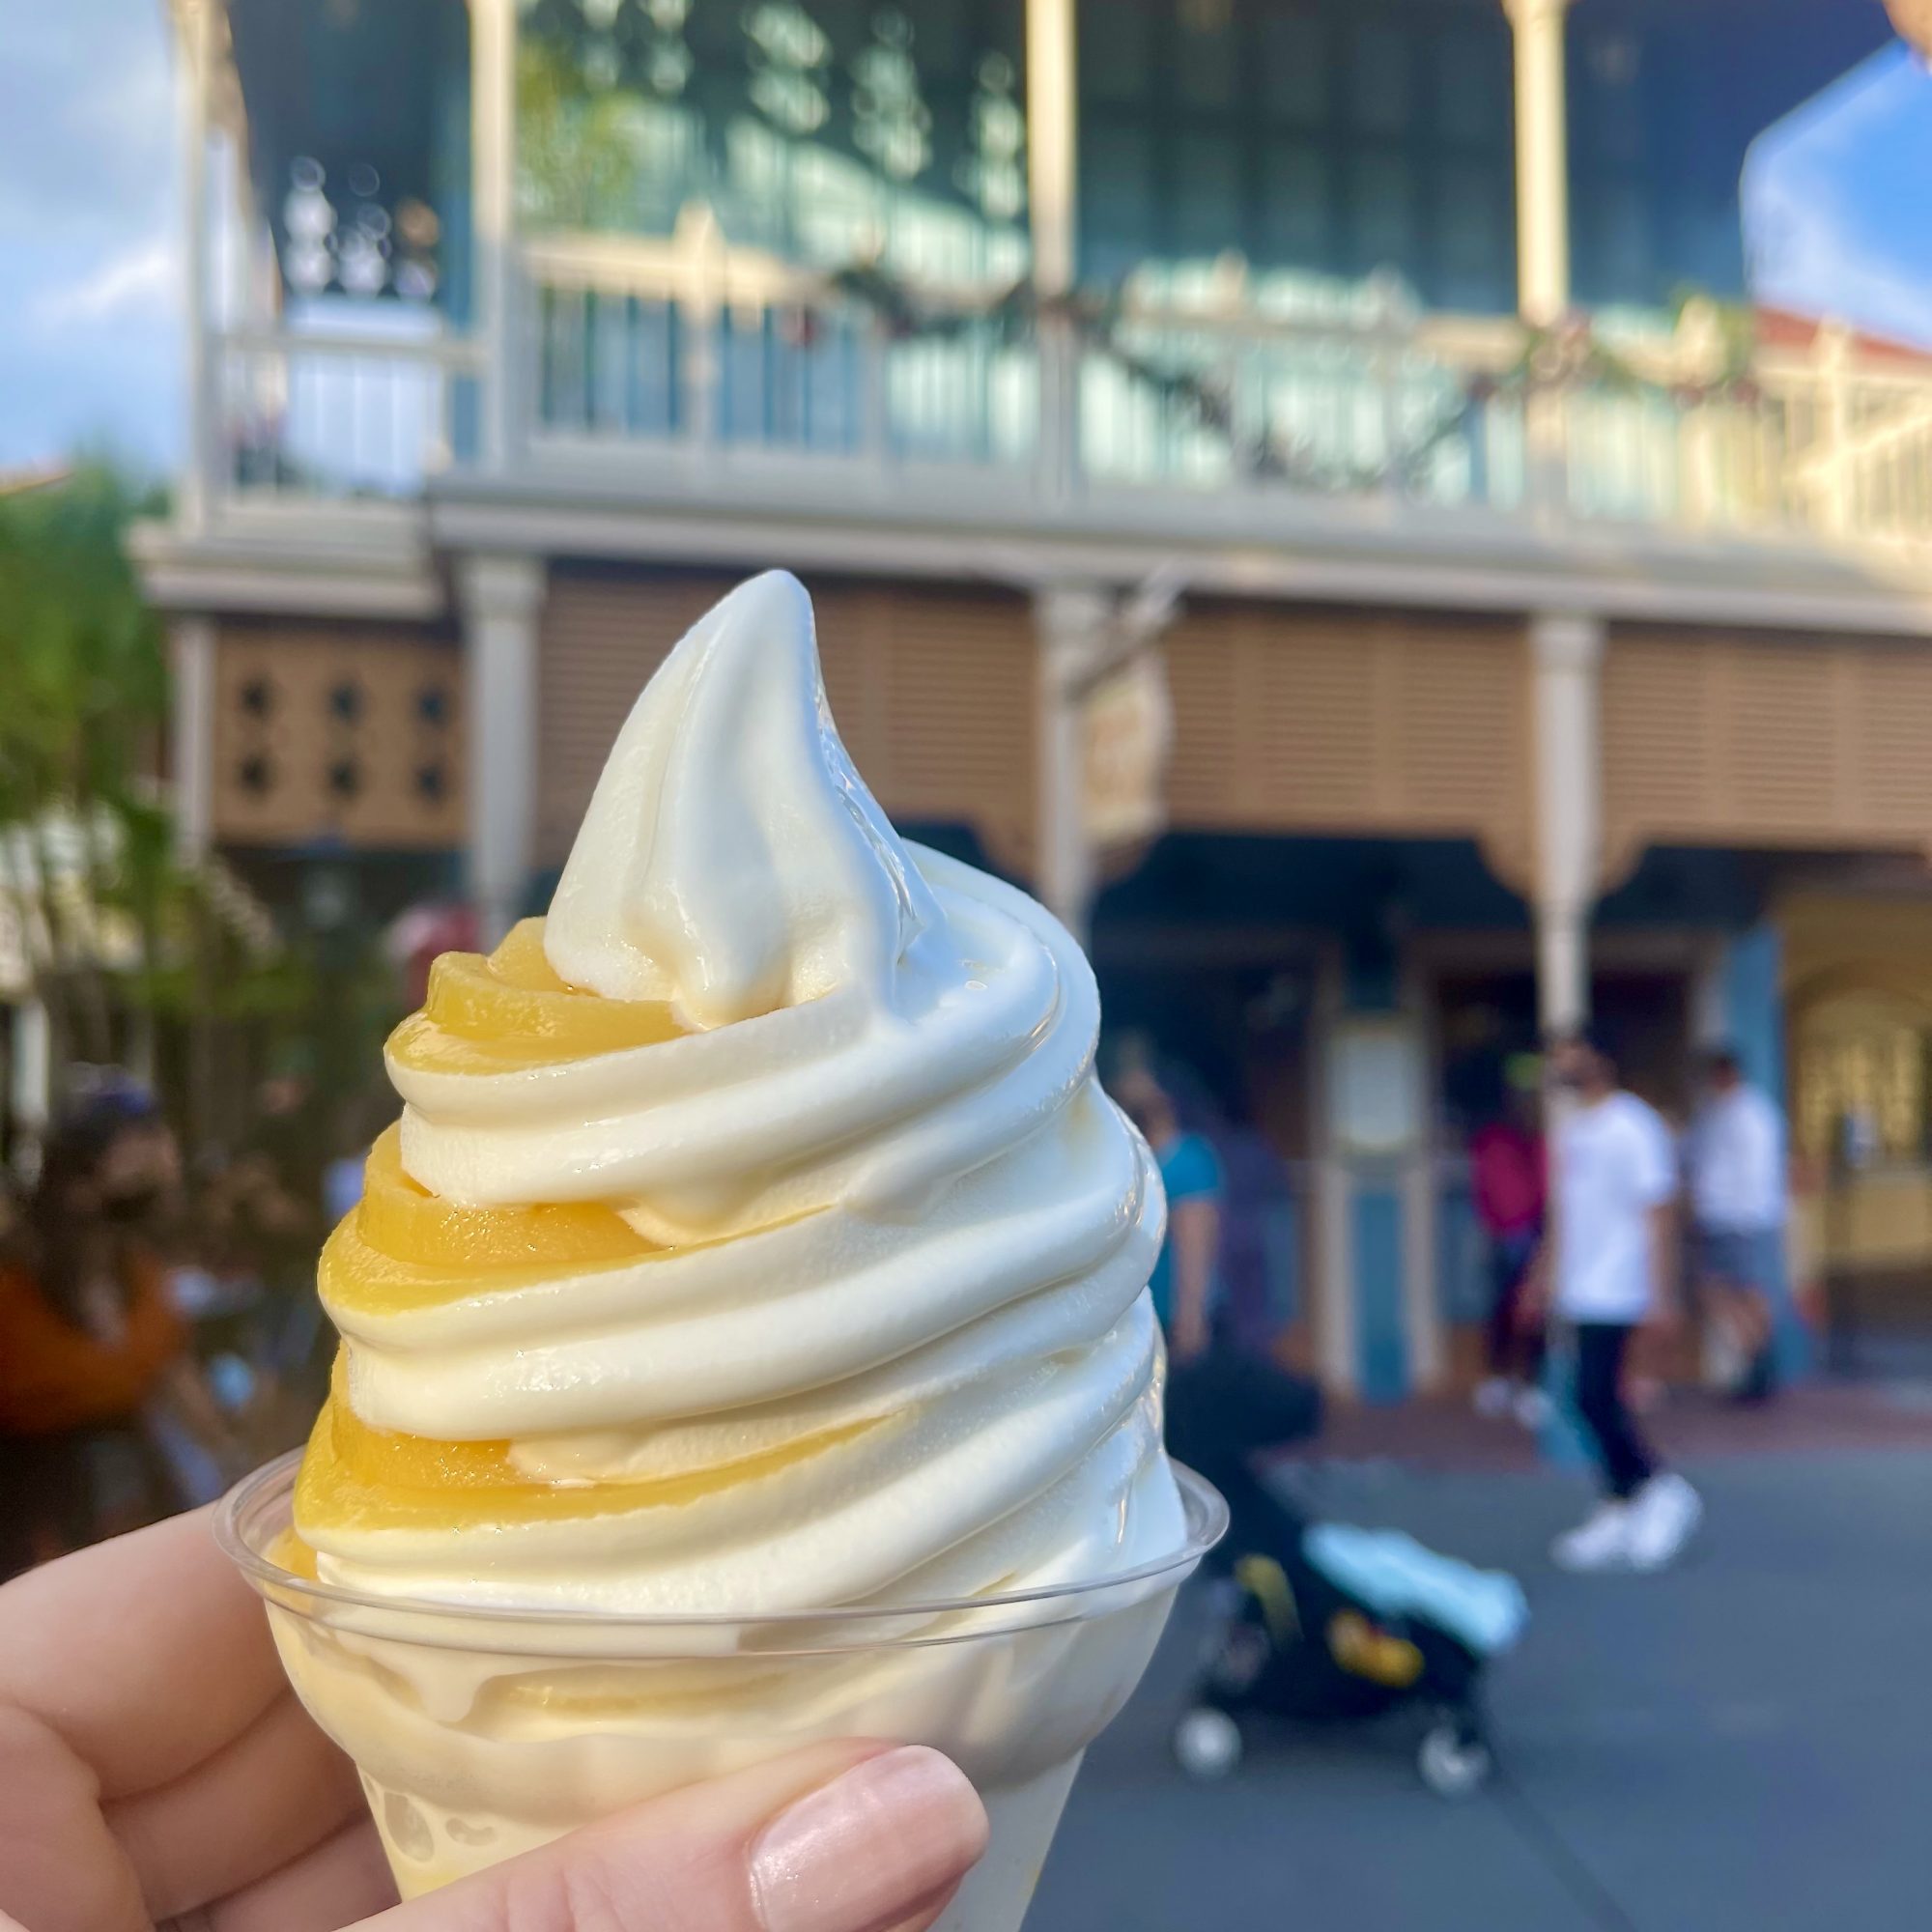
(1780, 329)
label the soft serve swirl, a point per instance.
(756, 1237)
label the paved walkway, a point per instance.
(1742, 1746)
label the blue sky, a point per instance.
(89, 347)
(1835, 200)
(89, 340)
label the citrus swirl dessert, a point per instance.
(755, 1244)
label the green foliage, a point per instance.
(83, 672)
(576, 151)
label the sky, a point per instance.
(89, 338)
(88, 344)
(1836, 211)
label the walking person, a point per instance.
(1610, 1264)
(1507, 1176)
(1738, 1199)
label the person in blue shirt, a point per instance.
(1183, 1283)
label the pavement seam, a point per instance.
(1564, 1862)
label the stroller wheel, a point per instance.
(1454, 1758)
(1207, 1744)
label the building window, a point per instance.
(1313, 137)
(826, 130)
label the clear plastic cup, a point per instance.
(482, 1732)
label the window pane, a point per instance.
(1381, 212)
(1116, 215)
(1114, 36)
(1472, 238)
(1297, 226)
(1473, 75)
(1295, 68)
(1204, 51)
(1380, 72)
(1207, 199)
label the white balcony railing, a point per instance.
(348, 401)
(627, 350)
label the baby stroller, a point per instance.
(1336, 1624)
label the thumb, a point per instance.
(838, 1838)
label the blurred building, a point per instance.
(1298, 481)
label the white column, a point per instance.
(1053, 119)
(192, 736)
(195, 41)
(493, 163)
(1567, 653)
(502, 598)
(1073, 624)
(1542, 159)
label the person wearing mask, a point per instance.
(1608, 1270)
(1506, 1163)
(88, 1335)
(1737, 1173)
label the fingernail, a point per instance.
(867, 1851)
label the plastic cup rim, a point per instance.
(1206, 1513)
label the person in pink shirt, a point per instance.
(1510, 1179)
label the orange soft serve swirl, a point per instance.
(756, 1236)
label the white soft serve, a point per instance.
(888, 1185)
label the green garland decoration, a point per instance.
(1565, 357)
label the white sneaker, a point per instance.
(1663, 1516)
(1603, 1543)
(1494, 1397)
(1531, 1408)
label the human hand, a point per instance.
(161, 1776)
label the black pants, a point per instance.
(1513, 1352)
(1622, 1454)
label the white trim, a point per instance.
(194, 55)
(336, 590)
(192, 736)
(1071, 627)
(493, 192)
(1397, 571)
(1566, 659)
(1542, 158)
(1052, 143)
(502, 598)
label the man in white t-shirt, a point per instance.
(1609, 1271)
(1736, 1152)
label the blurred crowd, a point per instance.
(160, 1332)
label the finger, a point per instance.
(342, 1879)
(880, 1842)
(271, 1795)
(146, 1654)
(60, 1870)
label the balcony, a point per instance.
(653, 374)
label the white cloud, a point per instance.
(139, 280)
